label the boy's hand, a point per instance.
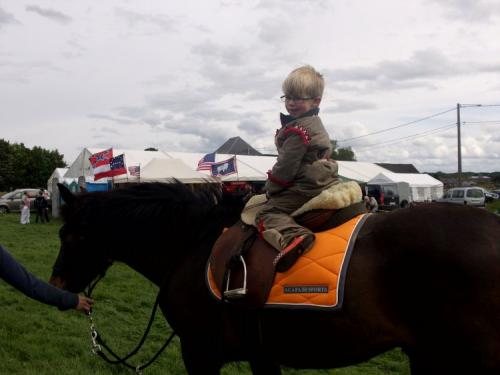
(84, 303)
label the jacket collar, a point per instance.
(285, 119)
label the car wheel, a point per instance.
(3, 210)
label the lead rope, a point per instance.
(98, 343)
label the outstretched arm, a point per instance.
(17, 276)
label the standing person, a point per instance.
(46, 211)
(17, 276)
(373, 204)
(25, 209)
(40, 206)
(303, 168)
(366, 200)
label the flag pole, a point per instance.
(236, 166)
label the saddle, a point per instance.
(241, 263)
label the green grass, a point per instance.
(36, 339)
(494, 206)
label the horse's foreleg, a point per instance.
(261, 366)
(200, 360)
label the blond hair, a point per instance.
(304, 82)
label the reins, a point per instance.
(98, 342)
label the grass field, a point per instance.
(36, 339)
(494, 206)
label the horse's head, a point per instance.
(148, 226)
(80, 258)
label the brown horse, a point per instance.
(426, 279)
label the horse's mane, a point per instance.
(145, 202)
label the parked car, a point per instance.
(473, 196)
(390, 196)
(490, 196)
(11, 202)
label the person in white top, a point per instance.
(25, 210)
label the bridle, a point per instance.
(98, 343)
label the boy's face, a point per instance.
(297, 106)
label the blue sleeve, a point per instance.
(17, 276)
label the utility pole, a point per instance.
(459, 140)
(459, 146)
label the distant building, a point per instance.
(237, 146)
(481, 178)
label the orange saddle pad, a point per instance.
(316, 280)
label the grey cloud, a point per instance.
(164, 22)
(410, 73)
(22, 72)
(118, 120)
(204, 29)
(106, 129)
(292, 5)
(51, 14)
(469, 10)
(215, 114)
(345, 105)
(75, 48)
(179, 101)
(212, 126)
(274, 33)
(6, 18)
(252, 126)
(135, 116)
(250, 81)
(230, 55)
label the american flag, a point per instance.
(205, 163)
(135, 170)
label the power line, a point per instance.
(479, 105)
(481, 122)
(398, 126)
(413, 136)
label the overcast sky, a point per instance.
(187, 75)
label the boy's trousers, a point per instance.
(275, 223)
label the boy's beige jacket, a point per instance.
(304, 165)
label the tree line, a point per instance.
(342, 153)
(22, 167)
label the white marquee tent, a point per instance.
(359, 171)
(165, 170)
(423, 187)
(57, 174)
(81, 165)
(249, 168)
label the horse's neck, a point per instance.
(152, 268)
(157, 265)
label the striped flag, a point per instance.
(205, 163)
(115, 167)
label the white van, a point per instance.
(465, 195)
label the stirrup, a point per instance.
(237, 292)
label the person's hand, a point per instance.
(84, 303)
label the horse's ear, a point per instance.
(66, 194)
